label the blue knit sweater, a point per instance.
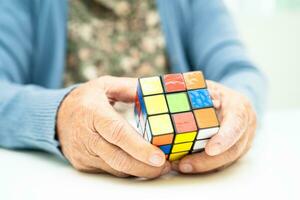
(200, 35)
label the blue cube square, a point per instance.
(166, 148)
(200, 99)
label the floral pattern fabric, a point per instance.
(115, 37)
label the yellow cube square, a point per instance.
(177, 156)
(151, 85)
(156, 104)
(160, 124)
(182, 147)
(185, 137)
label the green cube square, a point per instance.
(178, 102)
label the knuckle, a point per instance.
(93, 143)
(117, 131)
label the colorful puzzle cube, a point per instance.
(175, 113)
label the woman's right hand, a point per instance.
(95, 138)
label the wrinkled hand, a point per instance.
(238, 126)
(95, 138)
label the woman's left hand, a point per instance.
(237, 130)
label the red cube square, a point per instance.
(184, 122)
(174, 83)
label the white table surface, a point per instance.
(270, 171)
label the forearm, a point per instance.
(28, 116)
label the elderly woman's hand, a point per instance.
(238, 126)
(95, 138)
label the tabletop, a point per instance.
(270, 170)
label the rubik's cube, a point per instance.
(175, 112)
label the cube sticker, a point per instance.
(174, 83)
(156, 104)
(194, 80)
(178, 102)
(177, 156)
(166, 148)
(199, 145)
(185, 137)
(151, 85)
(200, 98)
(182, 147)
(161, 129)
(184, 122)
(175, 112)
(206, 118)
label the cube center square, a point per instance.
(151, 85)
(156, 104)
(184, 122)
(178, 102)
(175, 113)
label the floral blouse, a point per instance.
(115, 37)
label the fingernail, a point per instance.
(186, 168)
(157, 160)
(165, 170)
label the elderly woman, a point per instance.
(92, 39)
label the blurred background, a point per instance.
(271, 31)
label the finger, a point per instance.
(201, 162)
(116, 130)
(216, 99)
(119, 89)
(86, 162)
(217, 104)
(96, 165)
(120, 161)
(233, 125)
(215, 94)
(90, 160)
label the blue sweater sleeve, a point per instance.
(27, 112)
(215, 48)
